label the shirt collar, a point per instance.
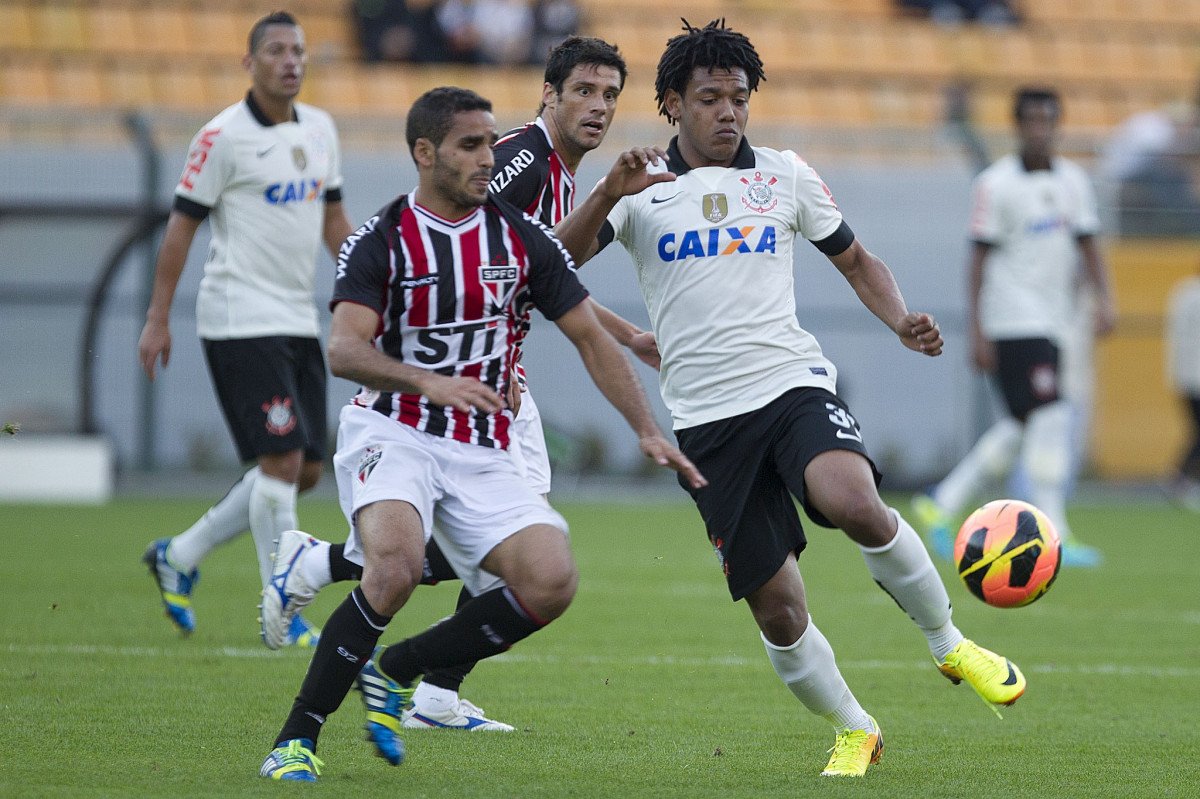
(258, 114)
(742, 159)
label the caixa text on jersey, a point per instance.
(717, 241)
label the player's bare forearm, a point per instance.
(627, 176)
(154, 343)
(638, 341)
(876, 287)
(613, 374)
(337, 227)
(578, 230)
(353, 357)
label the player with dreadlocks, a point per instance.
(752, 398)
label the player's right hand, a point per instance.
(154, 342)
(462, 394)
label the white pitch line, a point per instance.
(730, 661)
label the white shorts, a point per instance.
(475, 495)
(527, 445)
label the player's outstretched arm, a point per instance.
(640, 342)
(628, 175)
(352, 356)
(613, 374)
(155, 340)
(876, 287)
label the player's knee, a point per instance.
(310, 475)
(864, 517)
(388, 582)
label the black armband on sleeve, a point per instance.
(605, 236)
(836, 242)
(333, 195)
(190, 208)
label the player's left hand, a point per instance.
(645, 347)
(513, 395)
(920, 332)
(667, 454)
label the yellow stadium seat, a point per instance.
(26, 81)
(16, 27)
(165, 30)
(112, 30)
(59, 28)
(80, 83)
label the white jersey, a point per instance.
(1183, 336)
(266, 186)
(1033, 221)
(714, 252)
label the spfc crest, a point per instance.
(714, 207)
(368, 462)
(298, 158)
(759, 195)
(499, 281)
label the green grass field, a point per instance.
(653, 683)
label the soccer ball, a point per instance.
(1008, 553)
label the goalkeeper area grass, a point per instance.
(653, 684)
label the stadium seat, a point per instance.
(59, 28)
(26, 80)
(112, 30)
(16, 27)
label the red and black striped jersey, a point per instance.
(451, 296)
(530, 174)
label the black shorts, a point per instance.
(272, 392)
(755, 464)
(1027, 369)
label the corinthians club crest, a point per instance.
(758, 195)
(714, 207)
(298, 158)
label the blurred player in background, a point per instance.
(534, 170)
(752, 397)
(1183, 369)
(427, 310)
(267, 172)
(1034, 220)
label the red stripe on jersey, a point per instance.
(471, 257)
(416, 304)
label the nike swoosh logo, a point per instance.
(1012, 675)
(848, 436)
(261, 153)
(656, 200)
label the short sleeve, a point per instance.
(617, 219)
(817, 215)
(553, 285)
(333, 179)
(985, 224)
(209, 168)
(1087, 212)
(362, 268)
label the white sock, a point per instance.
(992, 457)
(272, 510)
(314, 565)
(809, 670)
(434, 699)
(222, 522)
(1046, 457)
(902, 567)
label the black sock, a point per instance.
(347, 641)
(451, 677)
(487, 625)
(341, 569)
(437, 568)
